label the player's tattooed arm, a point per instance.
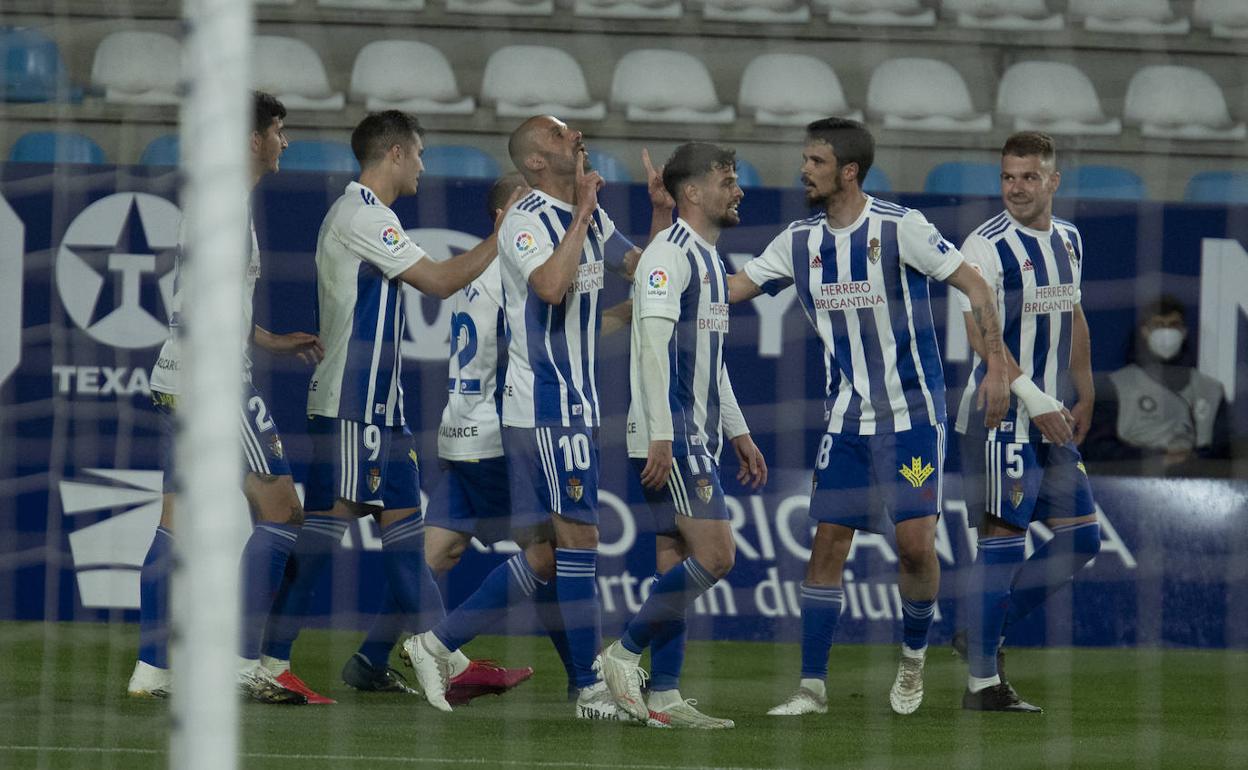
(306, 346)
(552, 279)
(994, 393)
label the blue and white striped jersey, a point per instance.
(470, 421)
(1036, 275)
(360, 252)
(552, 354)
(681, 277)
(864, 289)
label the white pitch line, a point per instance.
(472, 761)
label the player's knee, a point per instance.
(719, 562)
(915, 556)
(444, 556)
(542, 561)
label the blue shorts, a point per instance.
(693, 490)
(368, 464)
(473, 497)
(863, 481)
(1022, 482)
(552, 470)
(262, 445)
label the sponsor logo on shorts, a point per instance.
(575, 489)
(916, 472)
(1082, 468)
(411, 455)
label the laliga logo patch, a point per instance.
(392, 239)
(656, 283)
(114, 269)
(525, 242)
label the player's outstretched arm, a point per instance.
(1081, 374)
(306, 346)
(994, 392)
(551, 280)
(617, 317)
(741, 288)
(442, 279)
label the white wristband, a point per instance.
(1036, 401)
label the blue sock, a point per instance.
(154, 600)
(318, 537)
(993, 572)
(384, 633)
(667, 653)
(508, 582)
(263, 565)
(668, 599)
(546, 603)
(575, 570)
(1051, 567)
(403, 554)
(916, 619)
(821, 609)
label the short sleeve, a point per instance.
(615, 246)
(491, 283)
(376, 236)
(772, 270)
(524, 241)
(1077, 268)
(924, 248)
(979, 254)
(662, 275)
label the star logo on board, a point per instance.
(916, 472)
(575, 489)
(115, 269)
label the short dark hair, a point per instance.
(501, 190)
(850, 141)
(379, 131)
(265, 108)
(1024, 144)
(1163, 305)
(695, 159)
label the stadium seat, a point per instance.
(923, 95)
(33, 69)
(408, 6)
(1173, 102)
(747, 174)
(628, 9)
(1138, 17)
(666, 87)
(1105, 182)
(459, 161)
(56, 147)
(136, 67)
(319, 155)
(964, 178)
(1054, 97)
(502, 7)
(1218, 187)
(878, 13)
(782, 89)
(407, 75)
(1223, 18)
(759, 11)
(1014, 15)
(610, 167)
(525, 80)
(161, 151)
(290, 70)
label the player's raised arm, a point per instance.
(768, 273)
(553, 277)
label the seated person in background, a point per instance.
(1159, 416)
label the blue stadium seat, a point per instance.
(315, 155)
(1106, 182)
(611, 167)
(963, 178)
(459, 161)
(161, 151)
(56, 147)
(747, 175)
(1218, 187)
(33, 69)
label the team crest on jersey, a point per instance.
(525, 242)
(705, 490)
(575, 489)
(916, 472)
(873, 254)
(1016, 495)
(656, 283)
(374, 479)
(275, 447)
(392, 239)
(1070, 252)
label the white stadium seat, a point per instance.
(878, 13)
(1054, 97)
(923, 95)
(1022, 15)
(407, 75)
(764, 11)
(1224, 18)
(629, 9)
(1172, 102)
(502, 7)
(375, 5)
(666, 87)
(784, 89)
(524, 80)
(138, 68)
(290, 70)
(1140, 17)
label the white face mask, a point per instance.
(1165, 343)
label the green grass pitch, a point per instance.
(63, 705)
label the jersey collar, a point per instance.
(1029, 230)
(694, 234)
(852, 226)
